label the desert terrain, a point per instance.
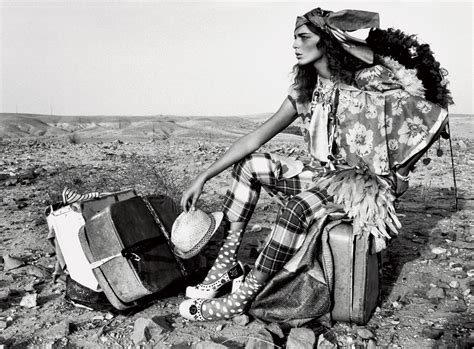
(427, 282)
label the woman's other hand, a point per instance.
(191, 195)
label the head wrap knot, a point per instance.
(337, 24)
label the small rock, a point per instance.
(430, 255)
(301, 338)
(21, 205)
(11, 262)
(29, 300)
(37, 271)
(371, 344)
(7, 201)
(397, 305)
(60, 330)
(262, 340)
(365, 333)
(435, 292)
(109, 316)
(208, 345)
(219, 328)
(433, 333)
(453, 265)
(275, 329)
(4, 294)
(145, 329)
(443, 284)
(468, 266)
(30, 287)
(323, 343)
(454, 284)
(241, 320)
(3, 323)
(456, 306)
(256, 228)
(462, 145)
(438, 250)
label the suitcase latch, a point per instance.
(133, 256)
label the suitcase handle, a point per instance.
(132, 252)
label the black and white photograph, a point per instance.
(236, 174)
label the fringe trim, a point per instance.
(366, 198)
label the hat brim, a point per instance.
(217, 217)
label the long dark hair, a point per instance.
(341, 64)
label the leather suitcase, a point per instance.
(357, 275)
(64, 223)
(333, 273)
(129, 250)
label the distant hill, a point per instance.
(162, 126)
(158, 126)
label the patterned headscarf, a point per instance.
(337, 24)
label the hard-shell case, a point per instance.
(128, 247)
(356, 275)
(64, 223)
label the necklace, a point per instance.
(322, 93)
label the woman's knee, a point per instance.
(296, 206)
(301, 206)
(246, 167)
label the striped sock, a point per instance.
(70, 196)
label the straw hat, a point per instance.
(192, 230)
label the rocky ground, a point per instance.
(427, 271)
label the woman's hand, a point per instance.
(240, 149)
(191, 195)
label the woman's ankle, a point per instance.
(261, 276)
(236, 226)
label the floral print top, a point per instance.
(377, 123)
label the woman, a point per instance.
(347, 104)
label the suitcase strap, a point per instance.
(165, 233)
(130, 252)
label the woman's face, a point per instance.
(305, 46)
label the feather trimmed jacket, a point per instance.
(364, 134)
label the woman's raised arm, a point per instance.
(244, 146)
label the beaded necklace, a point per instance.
(326, 94)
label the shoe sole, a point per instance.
(236, 275)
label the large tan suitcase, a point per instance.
(128, 247)
(64, 223)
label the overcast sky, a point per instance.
(188, 58)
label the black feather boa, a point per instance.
(409, 52)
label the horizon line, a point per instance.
(165, 115)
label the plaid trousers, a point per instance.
(264, 170)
